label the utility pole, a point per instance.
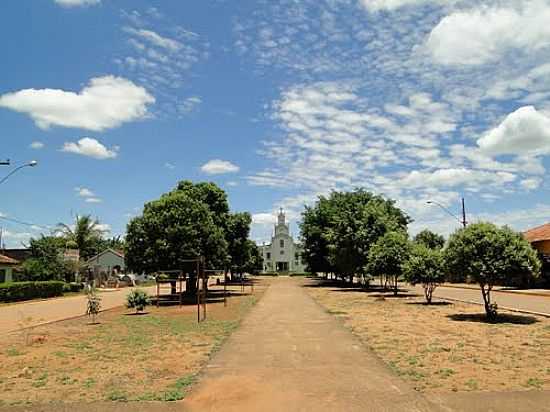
(464, 222)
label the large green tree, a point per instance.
(339, 231)
(387, 257)
(237, 231)
(490, 255)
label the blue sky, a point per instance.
(277, 101)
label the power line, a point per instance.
(9, 219)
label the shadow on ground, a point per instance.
(502, 318)
(374, 291)
(439, 303)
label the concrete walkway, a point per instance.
(290, 355)
(34, 313)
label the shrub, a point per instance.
(137, 299)
(94, 303)
(19, 291)
(426, 267)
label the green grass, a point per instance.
(445, 372)
(13, 352)
(472, 384)
(534, 383)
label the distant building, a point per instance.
(108, 262)
(20, 255)
(282, 255)
(7, 265)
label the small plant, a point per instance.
(94, 303)
(138, 300)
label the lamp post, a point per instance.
(32, 163)
(462, 221)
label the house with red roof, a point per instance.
(539, 237)
(7, 265)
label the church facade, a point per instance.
(282, 255)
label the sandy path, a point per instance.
(53, 310)
(290, 355)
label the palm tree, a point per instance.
(84, 234)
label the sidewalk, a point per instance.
(502, 289)
(34, 313)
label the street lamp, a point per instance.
(462, 221)
(32, 163)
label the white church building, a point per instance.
(282, 255)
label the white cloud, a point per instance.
(169, 165)
(390, 5)
(531, 183)
(263, 218)
(36, 145)
(91, 148)
(525, 131)
(155, 39)
(93, 200)
(189, 105)
(217, 167)
(106, 102)
(77, 3)
(84, 192)
(455, 177)
(484, 34)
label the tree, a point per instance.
(237, 231)
(430, 239)
(490, 255)
(171, 230)
(426, 267)
(339, 230)
(46, 261)
(254, 262)
(83, 235)
(137, 299)
(387, 257)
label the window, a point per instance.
(282, 252)
(268, 255)
(282, 243)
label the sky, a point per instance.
(277, 102)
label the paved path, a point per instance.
(539, 304)
(52, 310)
(290, 355)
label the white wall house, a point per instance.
(282, 255)
(7, 265)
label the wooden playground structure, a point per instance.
(179, 282)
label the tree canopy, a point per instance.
(490, 255)
(425, 266)
(339, 230)
(430, 239)
(84, 235)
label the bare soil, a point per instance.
(124, 357)
(445, 346)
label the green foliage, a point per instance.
(171, 230)
(388, 255)
(19, 291)
(137, 299)
(240, 248)
(426, 267)
(430, 239)
(339, 231)
(46, 261)
(85, 235)
(489, 255)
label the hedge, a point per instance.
(18, 291)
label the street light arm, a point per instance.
(30, 164)
(444, 209)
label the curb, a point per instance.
(543, 295)
(528, 312)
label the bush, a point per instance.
(137, 299)
(426, 267)
(19, 291)
(72, 287)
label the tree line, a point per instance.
(360, 235)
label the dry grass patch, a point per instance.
(124, 358)
(446, 347)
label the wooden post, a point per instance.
(225, 290)
(198, 296)
(158, 293)
(204, 288)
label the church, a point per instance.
(283, 255)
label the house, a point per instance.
(20, 255)
(539, 237)
(7, 265)
(108, 262)
(282, 254)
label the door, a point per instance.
(2, 275)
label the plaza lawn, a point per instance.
(445, 347)
(125, 357)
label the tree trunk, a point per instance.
(173, 288)
(428, 292)
(489, 309)
(395, 289)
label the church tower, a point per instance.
(281, 228)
